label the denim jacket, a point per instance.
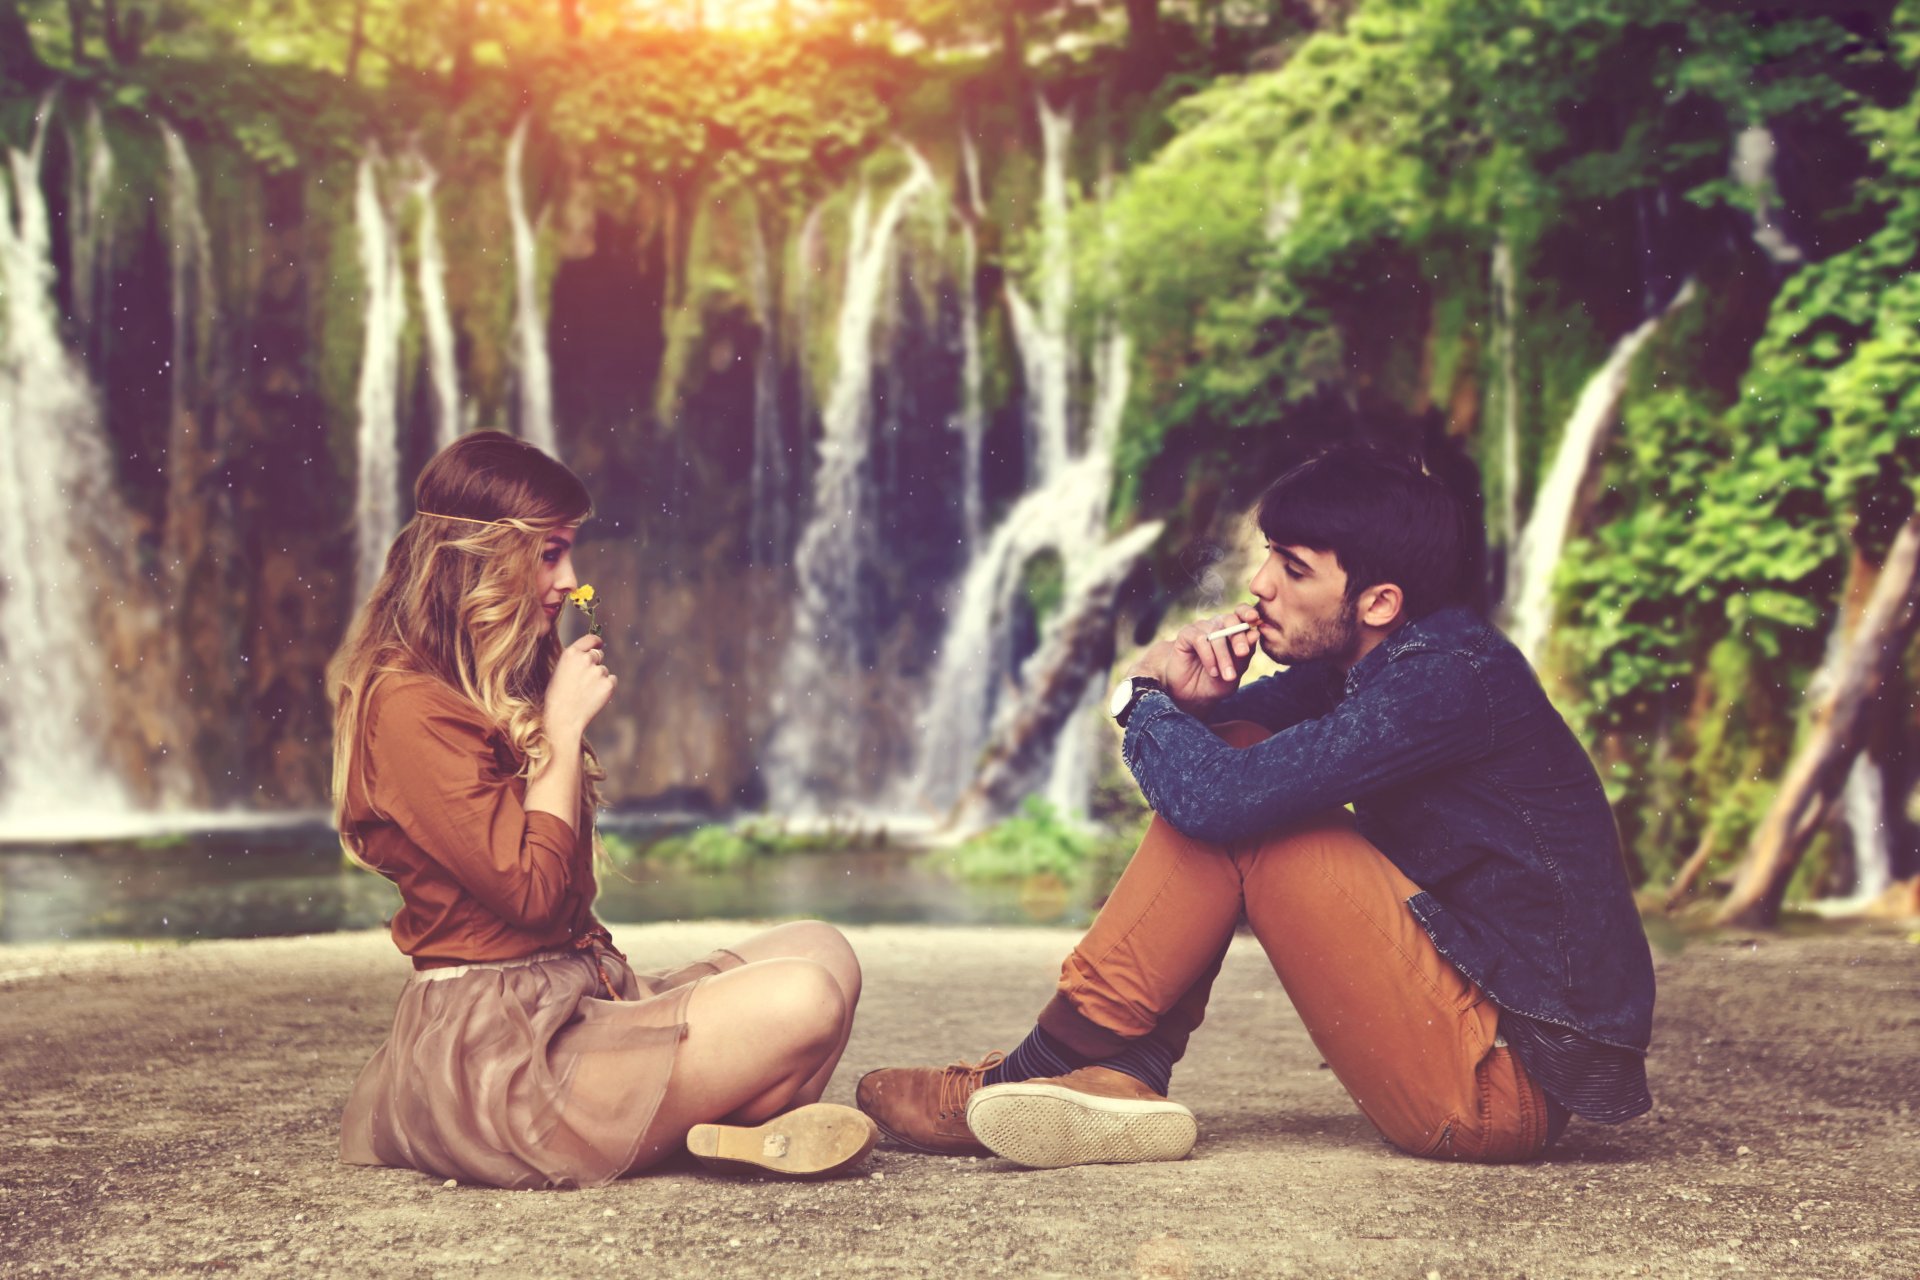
(1460, 771)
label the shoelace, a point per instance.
(960, 1079)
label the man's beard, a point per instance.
(1322, 638)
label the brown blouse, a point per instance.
(439, 812)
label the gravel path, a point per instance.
(173, 1110)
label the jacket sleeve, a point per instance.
(1301, 692)
(1422, 713)
(434, 774)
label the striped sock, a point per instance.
(1146, 1060)
(1036, 1057)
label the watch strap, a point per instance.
(1142, 686)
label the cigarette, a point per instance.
(1233, 630)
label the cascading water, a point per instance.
(55, 489)
(1094, 575)
(1064, 514)
(535, 371)
(1752, 168)
(836, 544)
(1506, 316)
(191, 259)
(1545, 533)
(1863, 797)
(377, 478)
(90, 230)
(1864, 802)
(767, 521)
(191, 443)
(1046, 350)
(431, 280)
(970, 164)
(972, 420)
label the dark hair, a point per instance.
(1384, 518)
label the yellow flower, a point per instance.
(582, 599)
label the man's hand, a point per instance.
(1199, 672)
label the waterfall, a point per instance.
(191, 260)
(1506, 318)
(1064, 512)
(767, 519)
(1864, 802)
(1041, 336)
(431, 280)
(972, 422)
(90, 231)
(536, 370)
(1094, 571)
(836, 544)
(192, 451)
(1863, 796)
(377, 489)
(1752, 167)
(1548, 524)
(970, 163)
(55, 489)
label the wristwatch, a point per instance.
(1127, 695)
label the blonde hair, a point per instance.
(455, 602)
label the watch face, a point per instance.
(1122, 695)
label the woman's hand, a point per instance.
(580, 687)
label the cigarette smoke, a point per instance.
(1202, 564)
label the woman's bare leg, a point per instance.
(757, 1037)
(826, 946)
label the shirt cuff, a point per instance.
(1155, 704)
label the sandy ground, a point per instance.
(173, 1111)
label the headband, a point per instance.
(467, 519)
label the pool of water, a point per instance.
(292, 879)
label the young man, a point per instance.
(1462, 947)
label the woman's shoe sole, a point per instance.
(814, 1141)
(1045, 1126)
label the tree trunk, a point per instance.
(122, 35)
(19, 62)
(357, 40)
(1690, 873)
(1013, 48)
(463, 37)
(1842, 702)
(77, 29)
(1143, 33)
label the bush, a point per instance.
(723, 847)
(1037, 841)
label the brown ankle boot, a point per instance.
(1091, 1116)
(926, 1107)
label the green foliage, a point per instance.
(1037, 841)
(1044, 581)
(723, 847)
(783, 119)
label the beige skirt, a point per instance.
(522, 1073)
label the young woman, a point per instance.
(525, 1052)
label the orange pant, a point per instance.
(1413, 1040)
